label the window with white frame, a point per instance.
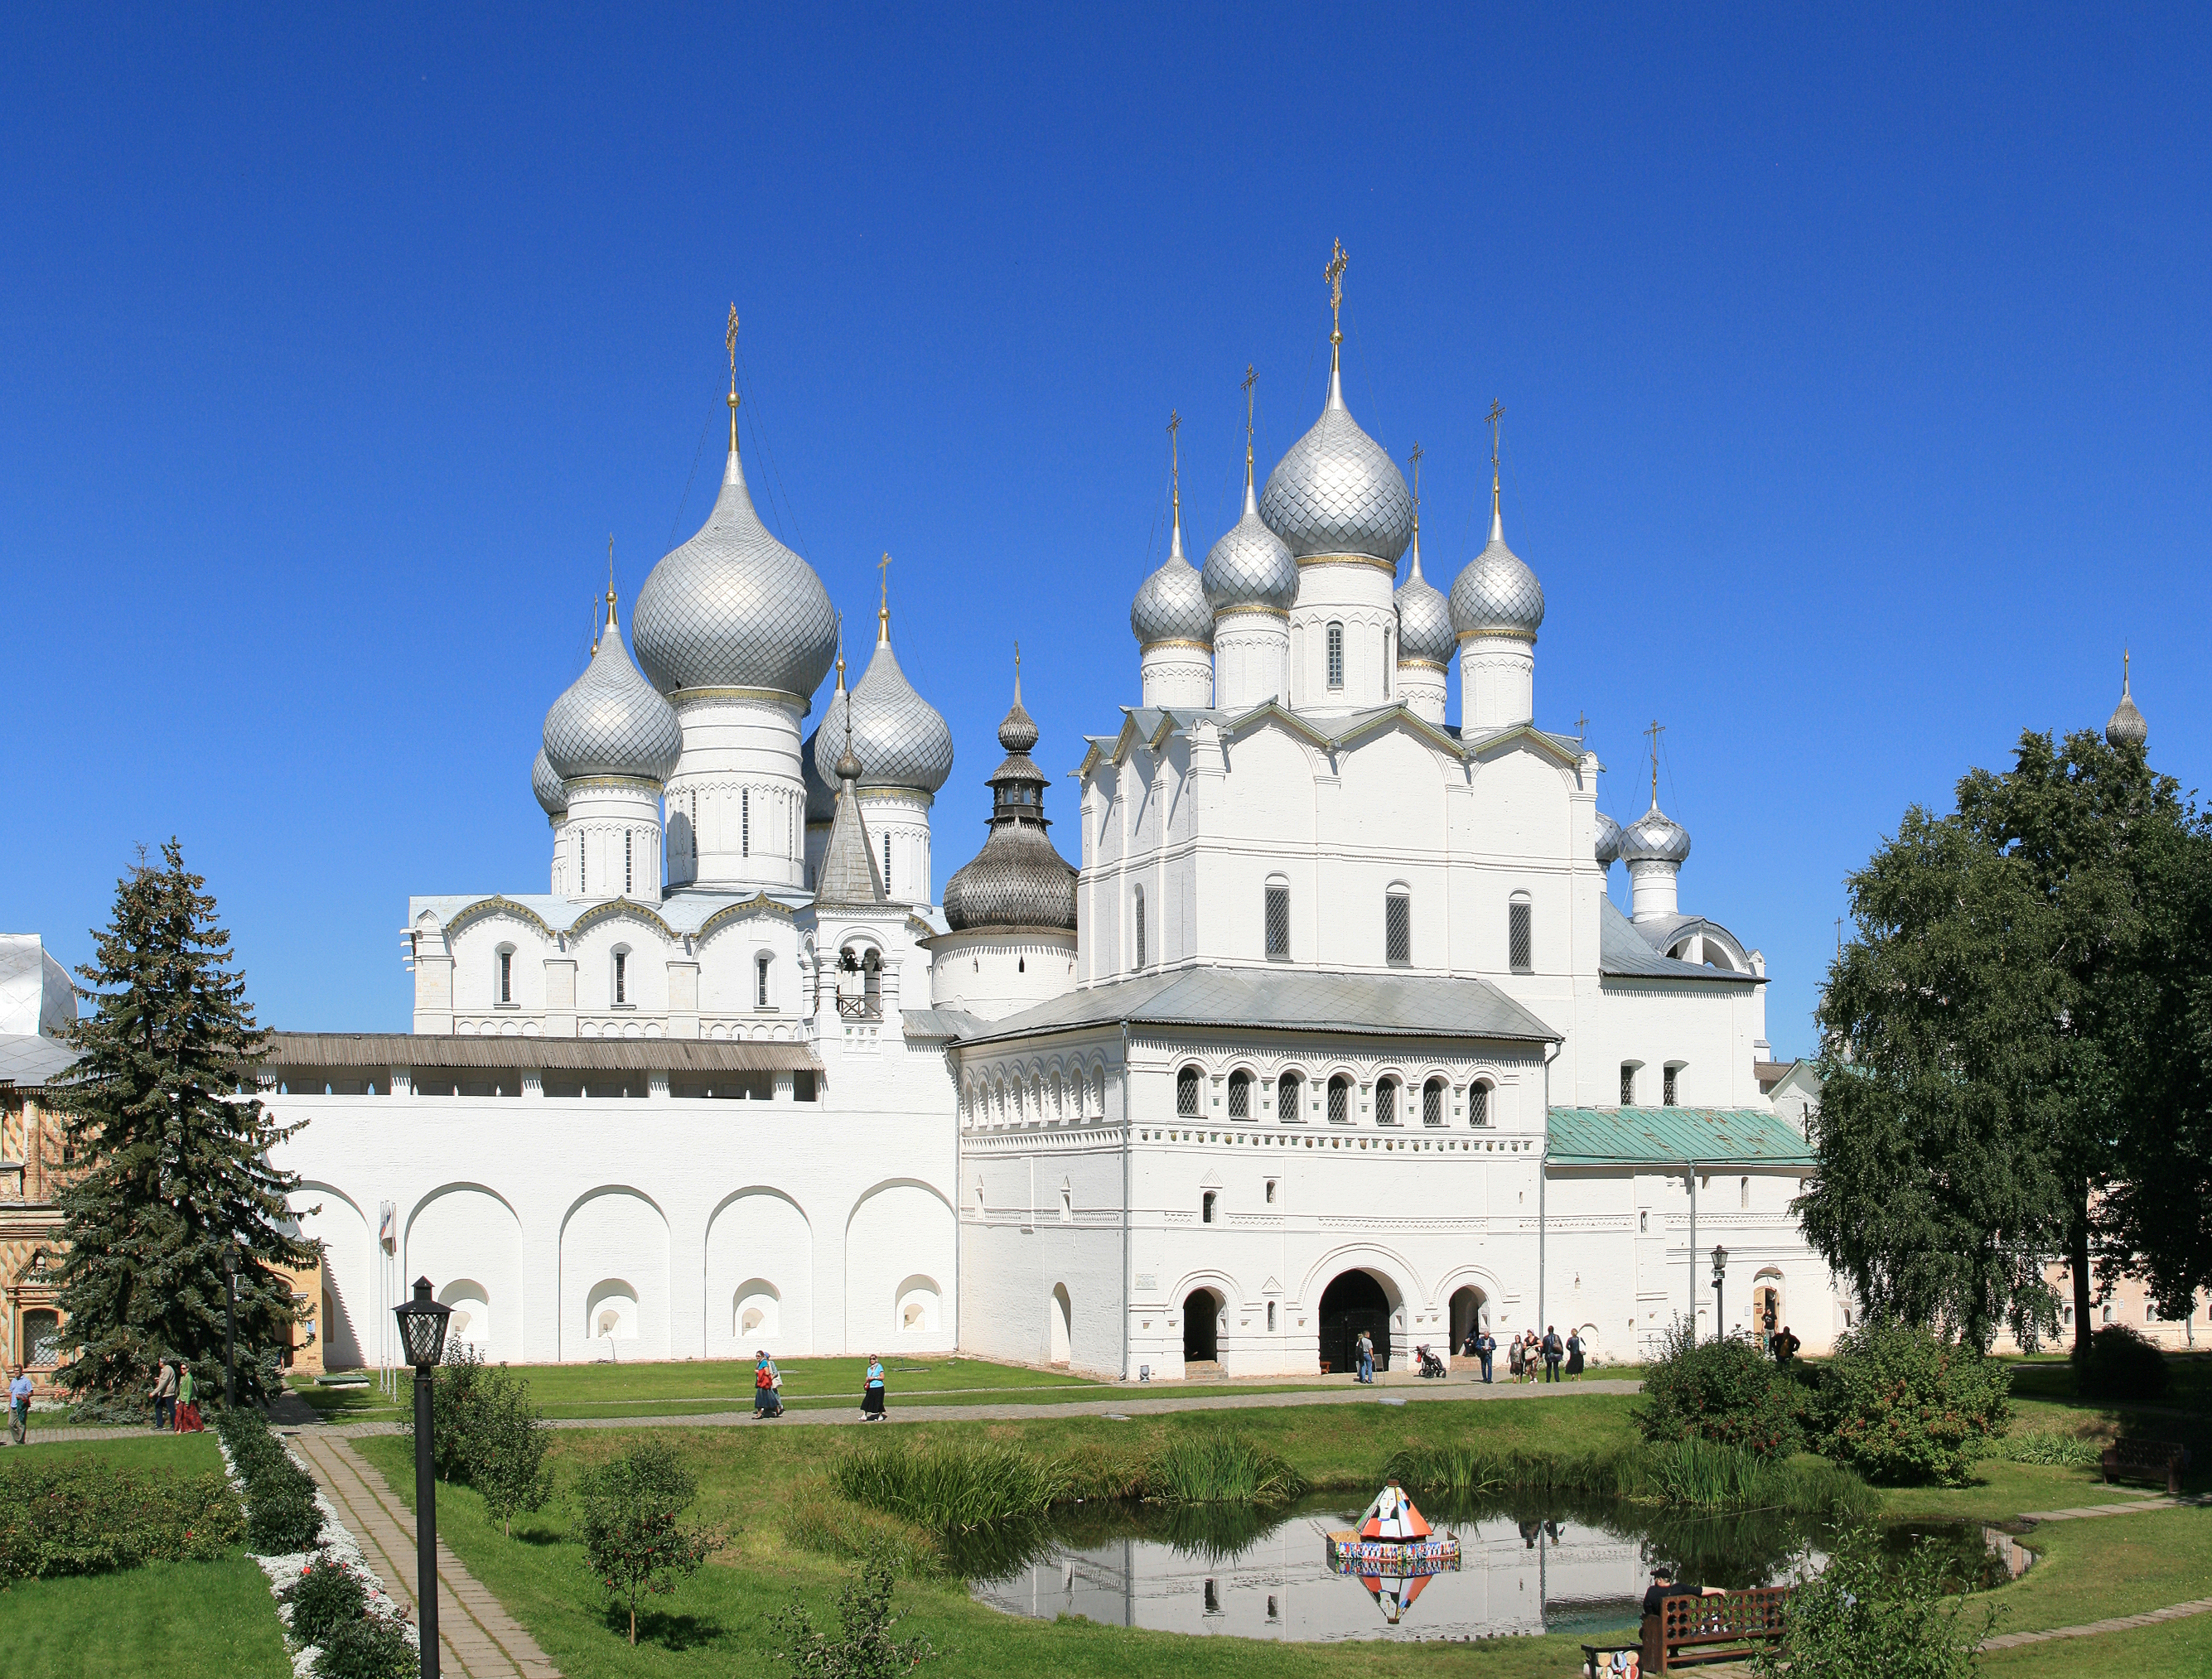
(506, 976)
(1478, 1105)
(1628, 1084)
(1521, 934)
(760, 982)
(1432, 1102)
(1240, 1095)
(1386, 1102)
(1139, 905)
(1187, 1082)
(621, 978)
(1336, 655)
(1286, 1096)
(1279, 919)
(1669, 1084)
(1339, 1101)
(1398, 926)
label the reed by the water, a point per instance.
(1219, 1468)
(950, 1488)
(1693, 1473)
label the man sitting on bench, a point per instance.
(1663, 1586)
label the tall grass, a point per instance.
(950, 1489)
(1219, 1468)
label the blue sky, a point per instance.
(1855, 375)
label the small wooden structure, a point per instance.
(2146, 1460)
(1694, 1629)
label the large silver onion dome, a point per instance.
(1250, 566)
(2127, 726)
(1337, 492)
(1424, 624)
(900, 739)
(1019, 879)
(1655, 837)
(610, 721)
(734, 608)
(545, 782)
(1609, 840)
(1170, 603)
(821, 796)
(1497, 594)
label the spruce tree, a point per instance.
(160, 1108)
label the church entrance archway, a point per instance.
(1201, 1339)
(1766, 1303)
(1470, 1310)
(1355, 1301)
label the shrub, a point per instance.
(326, 1594)
(634, 1535)
(1219, 1468)
(2120, 1364)
(1863, 1616)
(862, 1648)
(282, 1515)
(1900, 1403)
(1726, 1391)
(950, 1489)
(89, 1518)
(2048, 1447)
(507, 1449)
(368, 1647)
(454, 1412)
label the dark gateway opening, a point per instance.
(1200, 1322)
(1355, 1301)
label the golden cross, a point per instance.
(1416, 458)
(1251, 379)
(611, 569)
(1582, 726)
(1656, 729)
(730, 340)
(1334, 275)
(884, 573)
(1497, 412)
(1174, 456)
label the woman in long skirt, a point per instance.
(872, 1395)
(1513, 1358)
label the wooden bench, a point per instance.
(1691, 1631)
(2146, 1460)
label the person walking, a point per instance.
(19, 1408)
(1532, 1356)
(1513, 1355)
(1366, 1349)
(1784, 1345)
(872, 1395)
(165, 1397)
(1485, 1349)
(1554, 1350)
(1575, 1355)
(768, 1386)
(188, 1409)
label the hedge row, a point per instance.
(282, 1516)
(332, 1612)
(89, 1518)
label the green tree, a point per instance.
(160, 1103)
(1865, 1618)
(508, 1460)
(1898, 1403)
(635, 1536)
(862, 1648)
(1724, 1390)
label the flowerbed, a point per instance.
(89, 1518)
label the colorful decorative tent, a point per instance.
(1393, 1551)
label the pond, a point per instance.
(1531, 1563)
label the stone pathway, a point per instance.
(2124, 1623)
(477, 1638)
(2084, 1511)
(1123, 1403)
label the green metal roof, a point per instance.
(1710, 1135)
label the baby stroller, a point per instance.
(1431, 1365)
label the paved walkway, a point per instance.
(477, 1639)
(1122, 1403)
(2136, 1501)
(2122, 1624)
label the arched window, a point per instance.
(1478, 1105)
(621, 978)
(1339, 1101)
(42, 1338)
(1743, 1195)
(1398, 926)
(506, 975)
(1187, 1093)
(1386, 1102)
(760, 982)
(1670, 1090)
(871, 982)
(1336, 655)
(1140, 926)
(1279, 919)
(1286, 1097)
(1521, 934)
(1432, 1102)
(1240, 1095)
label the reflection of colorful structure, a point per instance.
(1393, 1551)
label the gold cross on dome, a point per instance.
(1174, 454)
(1334, 275)
(730, 340)
(1497, 412)
(1416, 458)
(883, 574)
(1656, 729)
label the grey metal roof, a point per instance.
(1669, 1135)
(734, 608)
(1425, 622)
(849, 873)
(1497, 594)
(898, 736)
(1250, 566)
(1288, 1000)
(423, 1048)
(28, 1060)
(1624, 953)
(1609, 840)
(941, 1023)
(1170, 604)
(1337, 492)
(1655, 837)
(545, 783)
(1019, 879)
(612, 721)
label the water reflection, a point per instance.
(1532, 1563)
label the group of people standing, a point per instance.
(1526, 1355)
(176, 1399)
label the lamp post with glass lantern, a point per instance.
(1720, 1274)
(422, 1333)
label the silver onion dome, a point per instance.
(1250, 566)
(821, 796)
(734, 608)
(1655, 837)
(1497, 594)
(1610, 839)
(2127, 726)
(612, 721)
(545, 782)
(1424, 623)
(1338, 492)
(898, 735)
(1170, 603)
(1019, 879)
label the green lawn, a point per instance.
(157, 1622)
(2172, 1650)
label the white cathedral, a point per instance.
(1335, 1028)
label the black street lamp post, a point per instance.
(1720, 1274)
(230, 1328)
(422, 1333)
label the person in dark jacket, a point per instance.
(1664, 1585)
(1784, 1346)
(1575, 1356)
(1554, 1350)
(1485, 1349)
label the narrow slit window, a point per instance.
(1520, 934)
(1432, 1102)
(1286, 1096)
(760, 982)
(1205, 1208)
(1628, 1084)
(1336, 655)
(1279, 921)
(1398, 928)
(1667, 1089)
(629, 880)
(1743, 1195)
(1339, 1101)
(622, 977)
(745, 821)
(1386, 1102)
(506, 976)
(1140, 927)
(887, 862)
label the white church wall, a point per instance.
(901, 1249)
(760, 1276)
(614, 1276)
(464, 1230)
(348, 1319)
